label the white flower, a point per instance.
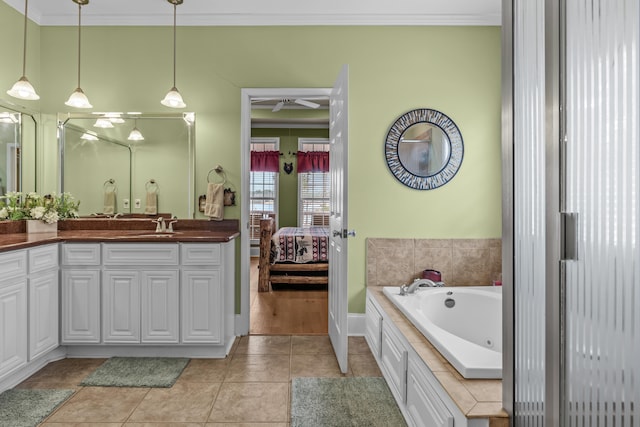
(4, 213)
(37, 212)
(50, 217)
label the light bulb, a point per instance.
(78, 100)
(22, 89)
(173, 99)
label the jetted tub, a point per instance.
(463, 323)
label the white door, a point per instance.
(202, 306)
(338, 136)
(43, 313)
(121, 306)
(80, 306)
(160, 296)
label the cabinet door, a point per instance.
(160, 306)
(394, 361)
(202, 306)
(423, 403)
(43, 313)
(80, 306)
(373, 328)
(13, 328)
(121, 306)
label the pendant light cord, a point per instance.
(174, 44)
(24, 47)
(79, 38)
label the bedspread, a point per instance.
(300, 245)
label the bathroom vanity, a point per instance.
(103, 292)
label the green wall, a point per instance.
(392, 70)
(288, 184)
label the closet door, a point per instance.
(602, 184)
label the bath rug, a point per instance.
(28, 407)
(343, 402)
(137, 372)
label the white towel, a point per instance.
(214, 206)
(109, 202)
(151, 207)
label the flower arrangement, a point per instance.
(49, 208)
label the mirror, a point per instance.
(18, 131)
(424, 149)
(109, 173)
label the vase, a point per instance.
(38, 226)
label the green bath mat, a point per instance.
(27, 408)
(342, 402)
(137, 372)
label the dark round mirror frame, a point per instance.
(435, 118)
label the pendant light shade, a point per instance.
(78, 99)
(22, 89)
(173, 98)
(135, 134)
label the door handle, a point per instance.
(337, 233)
(344, 233)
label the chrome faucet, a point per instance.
(117, 215)
(170, 225)
(411, 289)
(161, 226)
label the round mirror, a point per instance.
(424, 149)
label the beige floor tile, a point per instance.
(247, 425)
(251, 402)
(46, 424)
(65, 371)
(358, 345)
(184, 402)
(321, 365)
(311, 344)
(264, 344)
(99, 404)
(259, 368)
(364, 365)
(205, 370)
(157, 424)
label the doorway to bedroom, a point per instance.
(294, 195)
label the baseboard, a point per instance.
(356, 324)
(31, 368)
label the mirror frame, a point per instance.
(394, 136)
(63, 118)
(24, 112)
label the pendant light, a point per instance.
(173, 98)
(22, 89)
(135, 134)
(78, 99)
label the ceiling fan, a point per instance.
(284, 101)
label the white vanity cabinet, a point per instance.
(13, 311)
(373, 328)
(393, 356)
(140, 302)
(123, 294)
(43, 300)
(80, 308)
(424, 405)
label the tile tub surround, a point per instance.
(462, 262)
(476, 398)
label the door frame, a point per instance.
(242, 323)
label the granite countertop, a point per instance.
(476, 398)
(13, 235)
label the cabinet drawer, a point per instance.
(13, 264)
(424, 405)
(393, 354)
(43, 258)
(81, 254)
(140, 254)
(200, 254)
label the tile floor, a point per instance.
(249, 388)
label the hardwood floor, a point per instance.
(287, 311)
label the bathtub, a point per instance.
(463, 323)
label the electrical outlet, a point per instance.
(125, 203)
(137, 205)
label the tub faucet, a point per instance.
(411, 289)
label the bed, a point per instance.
(292, 255)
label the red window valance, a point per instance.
(265, 161)
(313, 161)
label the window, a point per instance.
(263, 189)
(313, 188)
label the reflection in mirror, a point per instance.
(109, 173)
(424, 149)
(17, 150)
